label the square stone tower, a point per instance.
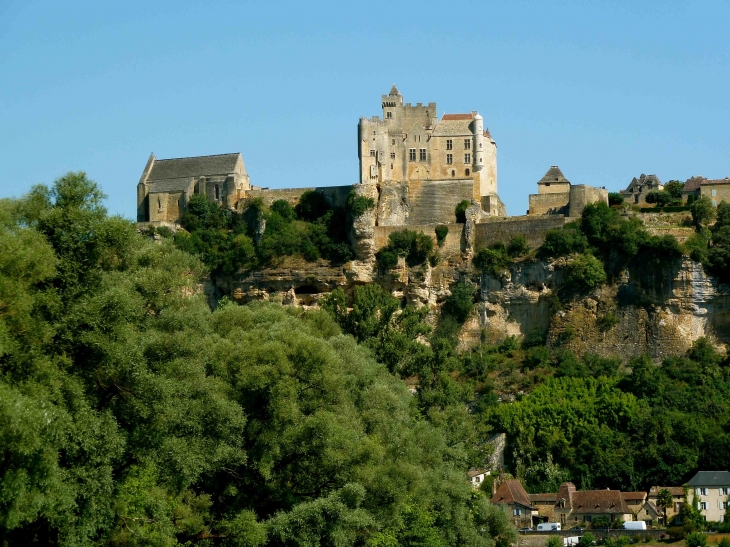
(409, 143)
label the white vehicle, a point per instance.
(635, 525)
(571, 541)
(548, 527)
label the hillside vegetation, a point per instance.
(130, 414)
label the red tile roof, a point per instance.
(674, 490)
(716, 181)
(512, 492)
(634, 495)
(457, 117)
(544, 498)
(599, 501)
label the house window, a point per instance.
(703, 505)
(714, 203)
(467, 158)
(714, 192)
(422, 154)
(449, 144)
(392, 141)
(467, 172)
(588, 518)
(723, 491)
(453, 173)
(217, 192)
(467, 144)
(392, 155)
(449, 158)
(372, 153)
(388, 114)
(517, 512)
(412, 154)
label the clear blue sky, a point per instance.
(606, 90)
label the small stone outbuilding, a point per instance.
(557, 196)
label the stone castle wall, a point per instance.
(503, 229)
(336, 195)
(542, 204)
(582, 194)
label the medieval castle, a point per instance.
(420, 168)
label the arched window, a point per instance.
(217, 192)
(467, 172)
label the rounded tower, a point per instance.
(478, 142)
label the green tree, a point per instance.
(674, 188)
(696, 539)
(664, 500)
(615, 198)
(703, 212)
(586, 540)
(660, 197)
(586, 272)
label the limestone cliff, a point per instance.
(646, 311)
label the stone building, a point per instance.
(557, 196)
(167, 185)
(573, 507)
(677, 493)
(637, 189)
(712, 490)
(515, 502)
(716, 189)
(436, 163)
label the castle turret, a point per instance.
(478, 130)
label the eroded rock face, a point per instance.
(660, 317)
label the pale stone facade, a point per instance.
(557, 196)
(712, 490)
(409, 144)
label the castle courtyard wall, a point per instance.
(435, 201)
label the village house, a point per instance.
(511, 496)
(716, 189)
(637, 189)
(476, 477)
(573, 507)
(711, 489)
(545, 504)
(677, 493)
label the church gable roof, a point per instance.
(169, 186)
(199, 166)
(553, 175)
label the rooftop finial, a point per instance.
(393, 91)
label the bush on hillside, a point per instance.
(460, 210)
(586, 272)
(660, 197)
(461, 301)
(441, 233)
(615, 198)
(357, 204)
(564, 241)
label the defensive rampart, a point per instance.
(501, 230)
(453, 244)
(336, 195)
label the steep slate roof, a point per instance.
(710, 478)
(171, 185)
(553, 175)
(454, 125)
(394, 91)
(674, 490)
(599, 501)
(642, 181)
(512, 492)
(221, 164)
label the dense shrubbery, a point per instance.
(497, 257)
(130, 414)
(615, 198)
(225, 240)
(460, 210)
(441, 233)
(415, 247)
(660, 197)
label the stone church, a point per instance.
(166, 185)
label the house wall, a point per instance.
(722, 192)
(715, 511)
